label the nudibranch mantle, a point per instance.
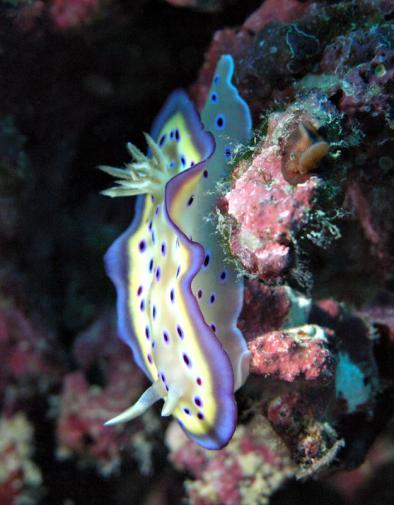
(178, 301)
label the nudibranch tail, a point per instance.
(177, 299)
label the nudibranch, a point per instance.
(178, 300)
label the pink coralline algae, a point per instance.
(202, 5)
(68, 14)
(289, 354)
(81, 431)
(63, 15)
(266, 208)
(85, 407)
(248, 470)
(275, 10)
(29, 359)
(20, 477)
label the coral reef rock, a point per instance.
(254, 465)
(20, 478)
